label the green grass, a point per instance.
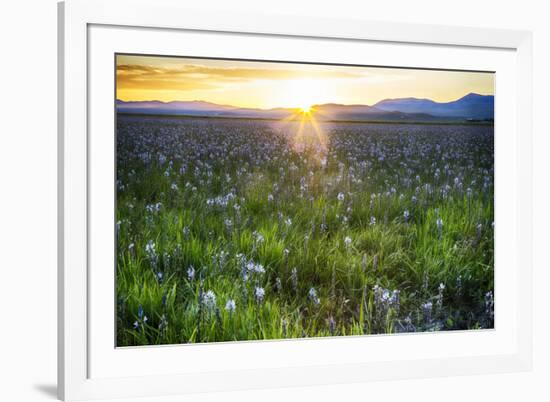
(252, 160)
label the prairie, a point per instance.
(235, 229)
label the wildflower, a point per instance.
(409, 326)
(313, 296)
(259, 294)
(278, 284)
(439, 223)
(340, 197)
(459, 284)
(230, 306)
(439, 297)
(259, 237)
(384, 295)
(191, 273)
(294, 278)
(186, 231)
(150, 208)
(372, 220)
(427, 310)
(142, 318)
(209, 300)
(254, 268)
(150, 248)
(159, 276)
(151, 252)
(347, 241)
(270, 197)
(406, 215)
(384, 299)
(174, 187)
(394, 298)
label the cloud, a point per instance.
(196, 76)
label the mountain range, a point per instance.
(470, 107)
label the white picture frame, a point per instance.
(89, 365)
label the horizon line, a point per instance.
(313, 105)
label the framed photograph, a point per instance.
(255, 201)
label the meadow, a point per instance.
(234, 229)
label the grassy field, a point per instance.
(246, 230)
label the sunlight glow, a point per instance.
(303, 93)
(267, 85)
(306, 109)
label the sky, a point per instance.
(268, 85)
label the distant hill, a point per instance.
(176, 107)
(332, 111)
(471, 106)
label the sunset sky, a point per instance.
(268, 85)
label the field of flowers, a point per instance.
(245, 230)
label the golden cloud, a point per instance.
(194, 76)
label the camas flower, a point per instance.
(191, 273)
(254, 268)
(230, 306)
(150, 248)
(209, 300)
(258, 237)
(294, 278)
(347, 241)
(142, 318)
(312, 294)
(259, 294)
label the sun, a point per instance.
(305, 109)
(301, 94)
